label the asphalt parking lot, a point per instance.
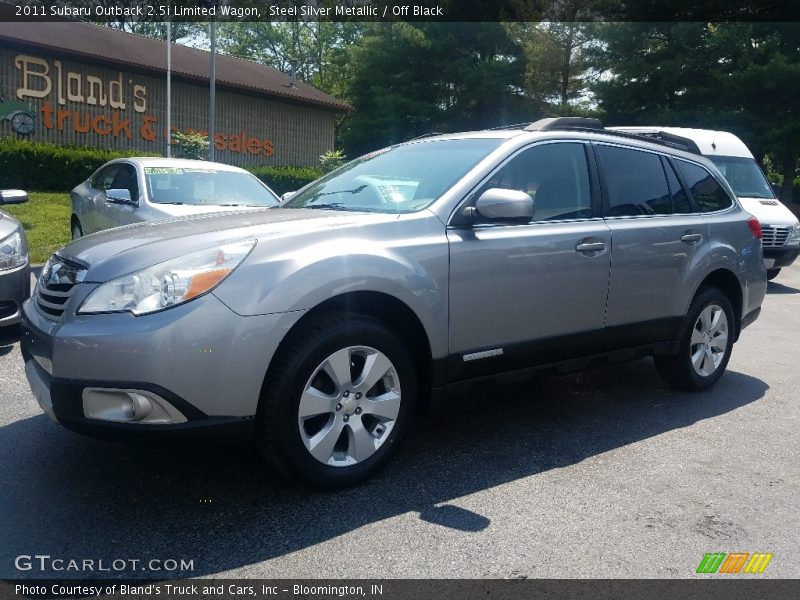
(607, 473)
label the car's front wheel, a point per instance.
(705, 345)
(772, 273)
(337, 402)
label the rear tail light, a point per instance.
(755, 227)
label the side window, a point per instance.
(555, 175)
(706, 191)
(635, 181)
(103, 180)
(125, 179)
(680, 202)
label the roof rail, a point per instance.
(587, 124)
(659, 137)
(513, 126)
(425, 135)
(554, 123)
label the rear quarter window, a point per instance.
(708, 194)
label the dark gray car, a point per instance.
(15, 279)
(316, 328)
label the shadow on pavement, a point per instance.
(8, 337)
(76, 497)
(779, 288)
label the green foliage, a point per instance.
(559, 64)
(42, 166)
(285, 179)
(45, 218)
(317, 48)
(331, 160)
(409, 79)
(738, 77)
(189, 145)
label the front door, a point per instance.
(116, 215)
(523, 294)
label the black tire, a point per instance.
(76, 228)
(278, 435)
(677, 370)
(773, 273)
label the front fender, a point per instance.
(413, 271)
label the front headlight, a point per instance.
(168, 283)
(13, 252)
(794, 236)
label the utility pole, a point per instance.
(169, 89)
(212, 85)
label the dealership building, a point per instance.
(78, 84)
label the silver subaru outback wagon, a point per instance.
(314, 328)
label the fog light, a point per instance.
(129, 406)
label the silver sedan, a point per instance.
(132, 190)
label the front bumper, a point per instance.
(775, 258)
(62, 401)
(201, 360)
(15, 288)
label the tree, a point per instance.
(315, 49)
(740, 77)
(410, 79)
(558, 63)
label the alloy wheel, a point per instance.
(709, 341)
(349, 406)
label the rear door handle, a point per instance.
(590, 246)
(691, 237)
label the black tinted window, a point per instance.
(680, 202)
(556, 176)
(104, 178)
(125, 179)
(635, 181)
(707, 193)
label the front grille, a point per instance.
(56, 285)
(774, 237)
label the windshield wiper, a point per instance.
(326, 206)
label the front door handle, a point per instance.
(590, 246)
(691, 237)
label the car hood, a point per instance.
(773, 213)
(115, 252)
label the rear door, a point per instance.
(533, 292)
(660, 245)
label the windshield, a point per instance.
(206, 187)
(400, 179)
(744, 175)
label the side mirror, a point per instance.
(498, 204)
(287, 196)
(13, 196)
(776, 189)
(119, 196)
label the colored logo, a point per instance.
(735, 562)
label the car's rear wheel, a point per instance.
(705, 345)
(772, 273)
(337, 402)
(77, 230)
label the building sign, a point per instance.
(114, 106)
